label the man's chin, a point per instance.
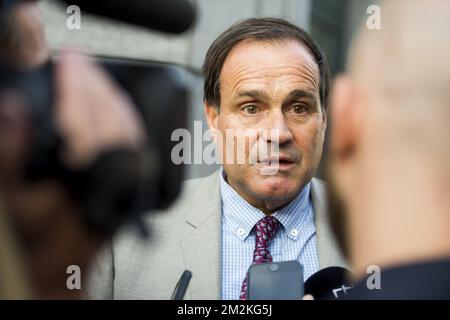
(276, 186)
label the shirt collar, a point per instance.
(241, 216)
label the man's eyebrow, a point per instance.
(255, 94)
(261, 95)
(299, 93)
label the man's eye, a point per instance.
(299, 109)
(250, 109)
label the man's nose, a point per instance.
(278, 128)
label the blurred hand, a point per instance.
(23, 40)
(92, 116)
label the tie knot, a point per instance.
(266, 229)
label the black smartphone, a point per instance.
(276, 281)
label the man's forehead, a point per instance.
(256, 64)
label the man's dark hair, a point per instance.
(258, 29)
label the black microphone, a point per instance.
(173, 16)
(329, 283)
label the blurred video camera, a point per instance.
(121, 184)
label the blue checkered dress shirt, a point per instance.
(295, 240)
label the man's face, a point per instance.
(270, 86)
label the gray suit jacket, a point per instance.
(187, 236)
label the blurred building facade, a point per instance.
(331, 22)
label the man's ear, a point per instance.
(325, 120)
(212, 115)
(346, 118)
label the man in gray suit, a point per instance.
(261, 75)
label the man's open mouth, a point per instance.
(281, 161)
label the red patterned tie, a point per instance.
(266, 229)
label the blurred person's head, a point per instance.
(390, 150)
(22, 36)
(262, 75)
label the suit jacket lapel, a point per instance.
(201, 241)
(327, 248)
